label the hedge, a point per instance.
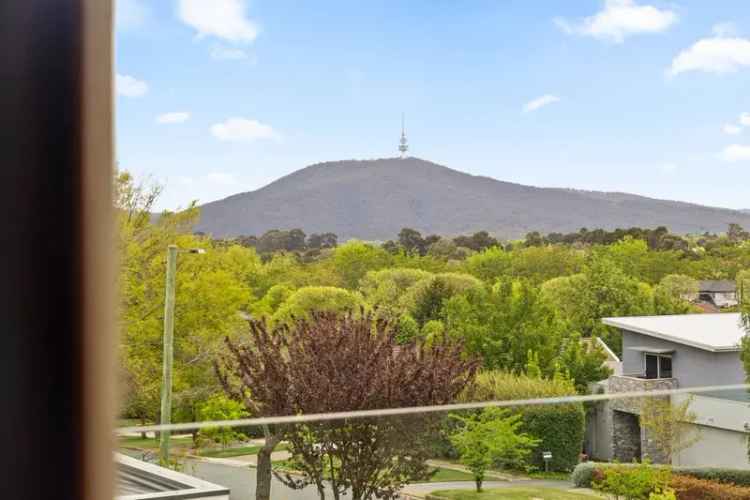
(739, 477)
(583, 473)
(559, 427)
(692, 488)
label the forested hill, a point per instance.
(374, 199)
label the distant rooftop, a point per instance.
(717, 286)
(710, 332)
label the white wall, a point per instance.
(716, 448)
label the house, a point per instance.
(670, 352)
(139, 480)
(720, 293)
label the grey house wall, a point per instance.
(692, 367)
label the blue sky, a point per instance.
(217, 97)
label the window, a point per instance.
(658, 366)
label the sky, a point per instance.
(216, 97)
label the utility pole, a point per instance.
(166, 386)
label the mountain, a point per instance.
(374, 199)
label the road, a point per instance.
(241, 481)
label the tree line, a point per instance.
(526, 308)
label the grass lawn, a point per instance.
(185, 445)
(441, 476)
(562, 476)
(153, 444)
(511, 494)
(236, 452)
(445, 475)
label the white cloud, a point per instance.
(719, 54)
(243, 130)
(131, 14)
(173, 117)
(735, 153)
(129, 86)
(225, 19)
(731, 129)
(221, 52)
(540, 102)
(620, 19)
(745, 119)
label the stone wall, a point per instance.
(626, 437)
(629, 441)
(619, 384)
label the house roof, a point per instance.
(138, 480)
(710, 332)
(718, 286)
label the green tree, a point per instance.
(490, 264)
(743, 285)
(668, 426)
(411, 241)
(385, 288)
(216, 408)
(504, 322)
(602, 290)
(354, 259)
(305, 300)
(539, 264)
(407, 330)
(433, 332)
(211, 291)
(559, 427)
(673, 294)
(492, 436)
(424, 300)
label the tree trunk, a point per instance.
(479, 485)
(264, 473)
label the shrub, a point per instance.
(407, 330)
(586, 473)
(667, 494)
(632, 482)
(740, 477)
(583, 474)
(560, 428)
(692, 488)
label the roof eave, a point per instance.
(644, 331)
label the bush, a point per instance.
(559, 427)
(692, 488)
(740, 477)
(635, 482)
(667, 494)
(583, 474)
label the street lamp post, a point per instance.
(168, 350)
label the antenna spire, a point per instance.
(403, 145)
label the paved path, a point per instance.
(420, 490)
